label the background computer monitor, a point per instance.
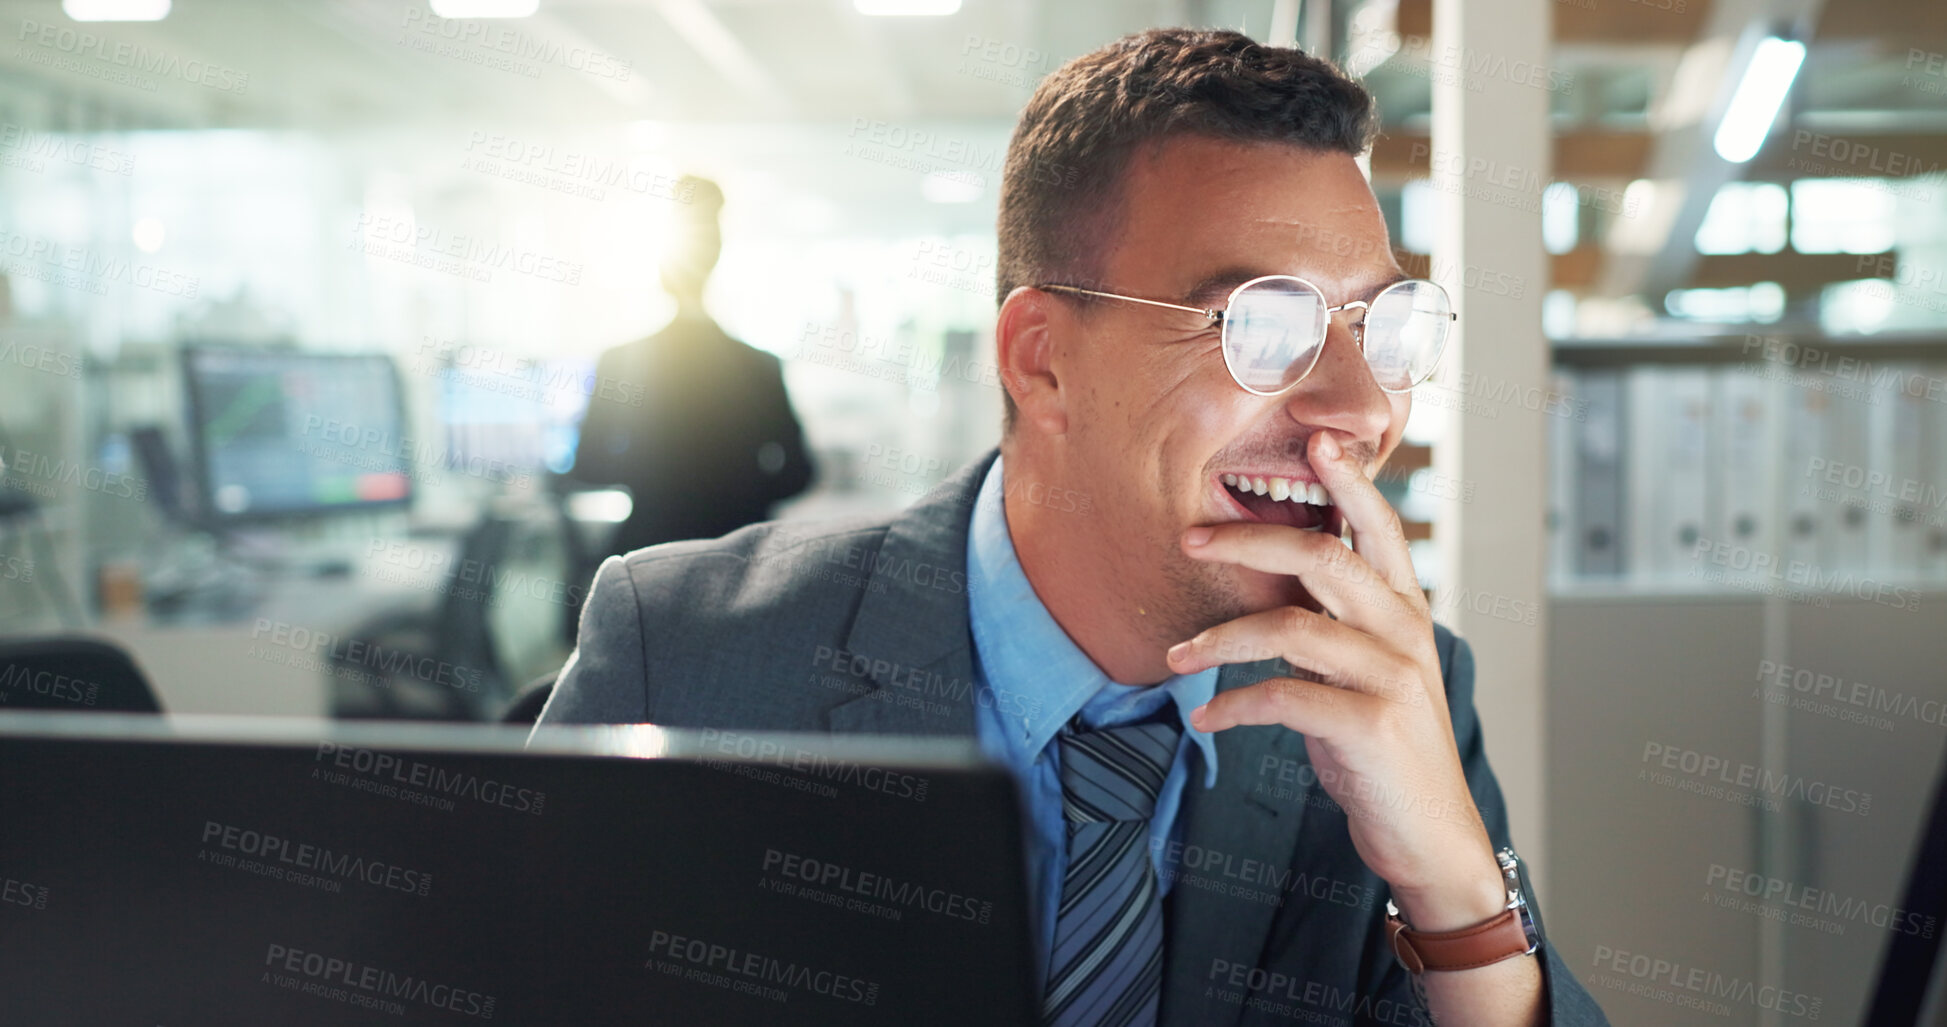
(283, 434)
(523, 415)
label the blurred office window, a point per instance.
(1842, 215)
(1744, 217)
(1760, 303)
(1560, 217)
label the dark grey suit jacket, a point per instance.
(1273, 917)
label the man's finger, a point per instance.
(1348, 587)
(1307, 707)
(1377, 533)
(1337, 653)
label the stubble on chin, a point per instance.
(1203, 595)
(1199, 596)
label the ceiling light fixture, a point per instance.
(116, 10)
(951, 187)
(1755, 105)
(907, 8)
(485, 8)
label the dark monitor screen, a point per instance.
(213, 871)
(290, 434)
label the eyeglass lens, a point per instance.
(1271, 333)
(1274, 331)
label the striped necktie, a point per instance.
(1107, 964)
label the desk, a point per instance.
(239, 662)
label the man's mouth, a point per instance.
(1276, 500)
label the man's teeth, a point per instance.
(1281, 489)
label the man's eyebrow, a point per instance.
(1393, 277)
(1215, 288)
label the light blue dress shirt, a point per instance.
(1030, 679)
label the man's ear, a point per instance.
(1023, 339)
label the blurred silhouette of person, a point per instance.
(694, 422)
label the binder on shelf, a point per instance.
(1598, 501)
(1933, 506)
(1804, 414)
(1899, 472)
(1743, 496)
(1668, 511)
(1849, 458)
(1563, 435)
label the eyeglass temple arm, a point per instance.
(1214, 315)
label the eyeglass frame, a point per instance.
(1216, 317)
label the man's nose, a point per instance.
(1341, 392)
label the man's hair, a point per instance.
(1066, 161)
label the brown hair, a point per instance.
(1078, 131)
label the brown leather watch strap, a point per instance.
(1480, 945)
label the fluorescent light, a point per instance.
(116, 10)
(1755, 105)
(149, 234)
(1561, 215)
(1417, 210)
(485, 8)
(907, 8)
(951, 187)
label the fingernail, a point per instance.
(1178, 652)
(1196, 536)
(1196, 716)
(1328, 447)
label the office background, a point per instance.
(303, 301)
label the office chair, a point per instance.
(70, 673)
(455, 635)
(527, 704)
(580, 557)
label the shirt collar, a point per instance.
(1022, 650)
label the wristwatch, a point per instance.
(1509, 934)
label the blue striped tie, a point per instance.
(1107, 964)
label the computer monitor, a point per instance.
(515, 416)
(286, 434)
(202, 870)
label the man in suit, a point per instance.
(1237, 736)
(707, 442)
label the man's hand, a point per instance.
(1375, 721)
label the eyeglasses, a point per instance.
(1274, 330)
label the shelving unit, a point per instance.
(1642, 665)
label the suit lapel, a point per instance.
(1243, 817)
(912, 624)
